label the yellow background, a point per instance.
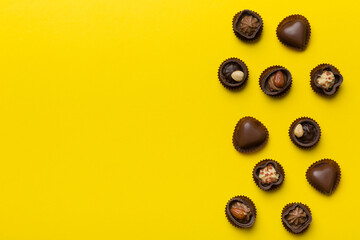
(114, 124)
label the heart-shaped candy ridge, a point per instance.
(324, 175)
(294, 31)
(249, 135)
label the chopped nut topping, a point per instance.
(268, 174)
(326, 80)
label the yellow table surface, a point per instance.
(114, 124)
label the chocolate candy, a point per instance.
(294, 31)
(296, 217)
(241, 212)
(268, 174)
(275, 81)
(324, 175)
(233, 73)
(249, 135)
(325, 79)
(304, 132)
(247, 25)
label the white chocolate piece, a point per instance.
(268, 174)
(326, 80)
(299, 131)
(237, 75)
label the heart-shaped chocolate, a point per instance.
(324, 175)
(249, 135)
(294, 31)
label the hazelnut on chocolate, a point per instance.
(305, 132)
(233, 73)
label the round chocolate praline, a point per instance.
(317, 72)
(294, 31)
(272, 185)
(311, 133)
(269, 81)
(228, 67)
(247, 25)
(248, 219)
(324, 175)
(296, 217)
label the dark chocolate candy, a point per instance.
(324, 175)
(311, 133)
(294, 31)
(275, 81)
(247, 25)
(296, 217)
(268, 179)
(241, 212)
(322, 89)
(249, 135)
(227, 68)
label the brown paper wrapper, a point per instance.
(304, 206)
(242, 150)
(291, 18)
(329, 161)
(294, 138)
(256, 35)
(232, 220)
(233, 85)
(279, 169)
(266, 74)
(313, 76)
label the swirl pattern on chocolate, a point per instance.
(296, 217)
(248, 25)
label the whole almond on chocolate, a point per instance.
(279, 80)
(238, 213)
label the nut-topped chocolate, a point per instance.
(240, 212)
(275, 81)
(247, 25)
(324, 175)
(325, 79)
(233, 73)
(268, 174)
(294, 31)
(296, 217)
(304, 132)
(249, 135)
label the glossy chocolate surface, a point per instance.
(324, 175)
(294, 31)
(249, 135)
